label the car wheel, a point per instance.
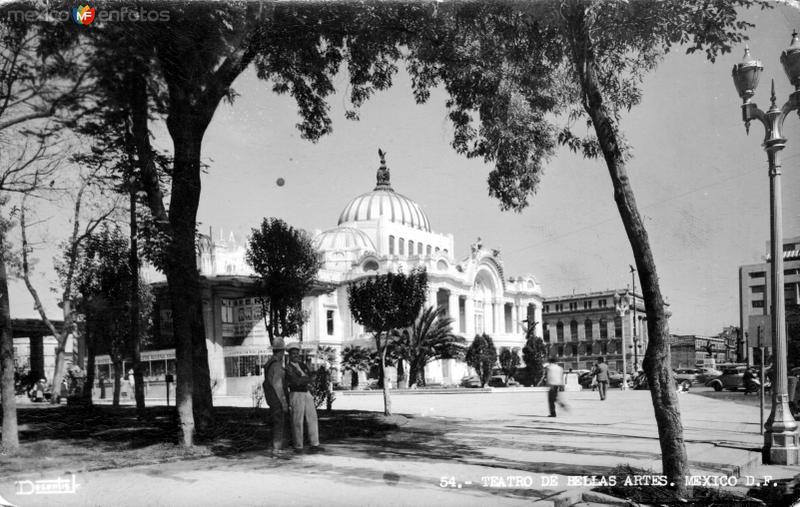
(717, 387)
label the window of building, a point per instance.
(546, 308)
(428, 250)
(758, 289)
(420, 247)
(462, 314)
(560, 349)
(559, 307)
(401, 247)
(602, 303)
(507, 313)
(329, 321)
(445, 251)
(546, 333)
(436, 250)
(573, 306)
(573, 330)
(226, 309)
(560, 331)
(757, 274)
(587, 305)
(530, 314)
(618, 326)
(391, 245)
(410, 248)
(758, 304)
(603, 329)
(587, 329)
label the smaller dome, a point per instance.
(343, 238)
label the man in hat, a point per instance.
(275, 394)
(298, 378)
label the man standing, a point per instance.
(298, 378)
(601, 374)
(554, 378)
(275, 395)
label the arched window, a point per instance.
(420, 247)
(603, 329)
(428, 251)
(618, 327)
(401, 247)
(370, 266)
(410, 248)
(437, 250)
(587, 329)
(573, 330)
(560, 331)
(391, 245)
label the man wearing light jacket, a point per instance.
(298, 379)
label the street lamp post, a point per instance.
(635, 345)
(781, 438)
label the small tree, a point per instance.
(287, 262)
(509, 360)
(482, 356)
(103, 280)
(429, 338)
(534, 353)
(384, 303)
(355, 359)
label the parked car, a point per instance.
(707, 374)
(585, 380)
(686, 374)
(471, 381)
(500, 381)
(732, 379)
(615, 378)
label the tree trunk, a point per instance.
(387, 401)
(117, 382)
(657, 359)
(353, 380)
(186, 131)
(413, 373)
(133, 262)
(10, 442)
(91, 352)
(58, 370)
(401, 373)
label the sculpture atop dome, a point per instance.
(383, 173)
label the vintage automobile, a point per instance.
(689, 374)
(732, 379)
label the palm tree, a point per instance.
(354, 360)
(429, 338)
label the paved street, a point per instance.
(489, 447)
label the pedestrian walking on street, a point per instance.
(277, 397)
(301, 402)
(601, 374)
(554, 378)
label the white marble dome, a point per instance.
(383, 200)
(397, 208)
(343, 238)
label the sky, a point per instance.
(700, 182)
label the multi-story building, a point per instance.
(377, 232)
(688, 351)
(581, 327)
(755, 285)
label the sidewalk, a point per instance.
(470, 449)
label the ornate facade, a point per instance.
(377, 232)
